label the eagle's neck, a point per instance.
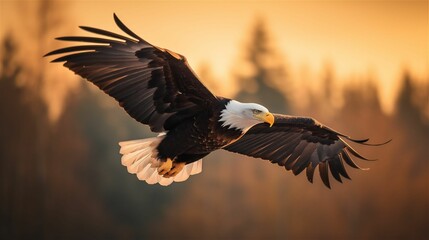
(235, 116)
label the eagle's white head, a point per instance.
(243, 116)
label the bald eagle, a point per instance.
(157, 87)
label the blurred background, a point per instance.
(361, 67)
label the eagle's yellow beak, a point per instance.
(267, 117)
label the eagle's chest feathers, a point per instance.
(212, 135)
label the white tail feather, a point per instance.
(140, 158)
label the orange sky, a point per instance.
(358, 38)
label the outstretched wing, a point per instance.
(155, 86)
(299, 143)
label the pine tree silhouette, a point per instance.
(266, 71)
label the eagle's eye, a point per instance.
(256, 111)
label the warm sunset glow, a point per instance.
(360, 39)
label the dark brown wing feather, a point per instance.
(299, 143)
(154, 85)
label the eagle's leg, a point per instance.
(177, 167)
(165, 167)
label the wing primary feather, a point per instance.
(106, 33)
(126, 29)
(364, 142)
(356, 154)
(334, 170)
(359, 141)
(338, 161)
(75, 49)
(82, 60)
(69, 57)
(87, 39)
(349, 161)
(324, 174)
(310, 172)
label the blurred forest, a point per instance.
(63, 179)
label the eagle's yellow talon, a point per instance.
(177, 167)
(165, 167)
